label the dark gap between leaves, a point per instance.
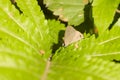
(115, 19)
(16, 6)
(88, 25)
(116, 61)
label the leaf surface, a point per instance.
(103, 13)
(67, 10)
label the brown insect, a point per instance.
(71, 35)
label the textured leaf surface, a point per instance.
(82, 68)
(23, 38)
(90, 60)
(67, 10)
(103, 12)
(56, 30)
(19, 45)
(105, 46)
(38, 23)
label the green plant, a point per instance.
(26, 41)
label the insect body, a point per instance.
(71, 35)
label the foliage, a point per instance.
(26, 41)
(63, 9)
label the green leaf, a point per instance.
(25, 46)
(90, 60)
(82, 68)
(22, 41)
(105, 46)
(103, 12)
(109, 44)
(40, 30)
(67, 10)
(56, 30)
